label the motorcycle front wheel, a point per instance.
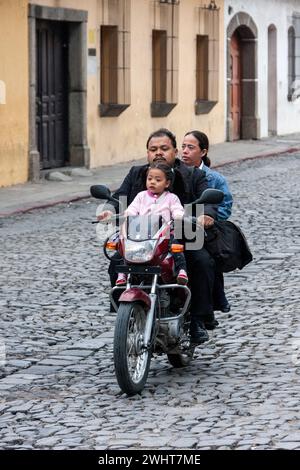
(131, 361)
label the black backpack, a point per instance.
(228, 246)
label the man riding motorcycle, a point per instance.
(189, 183)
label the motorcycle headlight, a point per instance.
(139, 252)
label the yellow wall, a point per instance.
(213, 123)
(113, 139)
(14, 73)
(123, 138)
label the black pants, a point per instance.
(218, 291)
(201, 272)
(116, 260)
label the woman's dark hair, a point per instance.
(203, 144)
(166, 169)
(163, 133)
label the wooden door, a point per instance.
(52, 93)
(235, 88)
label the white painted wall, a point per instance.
(264, 13)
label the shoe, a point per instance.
(182, 277)
(121, 279)
(220, 301)
(223, 308)
(210, 322)
(211, 325)
(198, 332)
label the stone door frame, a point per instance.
(243, 24)
(79, 153)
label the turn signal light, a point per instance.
(176, 248)
(111, 246)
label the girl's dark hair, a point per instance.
(203, 144)
(163, 133)
(166, 169)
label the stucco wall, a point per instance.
(123, 138)
(14, 73)
(265, 13)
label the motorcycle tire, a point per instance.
(131, 362)
(181, 360)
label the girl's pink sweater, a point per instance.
(167, 205)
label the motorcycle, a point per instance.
(152, 309)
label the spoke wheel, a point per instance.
(131, 361)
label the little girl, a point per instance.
(158, 200)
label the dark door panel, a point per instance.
(235, 85)
(52, 93)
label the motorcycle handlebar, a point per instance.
(187, 219)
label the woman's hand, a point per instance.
(205, 221)
(105, 215)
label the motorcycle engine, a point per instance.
(171, 329)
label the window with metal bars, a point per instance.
(164, 58)
(294, 58)
(202, 67)
(159, 66)
(109, 64)
(291, 61)
(207, 60)
(114, 58)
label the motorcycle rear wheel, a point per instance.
(131, 361)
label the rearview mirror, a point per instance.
(100, 192)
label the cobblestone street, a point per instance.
(57, 385)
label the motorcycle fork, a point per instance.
(150, 314)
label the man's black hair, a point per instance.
(161, 133)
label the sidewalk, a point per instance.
(24, 197)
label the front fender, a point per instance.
(135, 294)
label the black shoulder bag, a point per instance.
(228, 246)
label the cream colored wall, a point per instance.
(184, 117)
(14, 73)
(123, 138)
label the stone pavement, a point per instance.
(57, 384)
(25, 197)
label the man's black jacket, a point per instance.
(189, 184)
